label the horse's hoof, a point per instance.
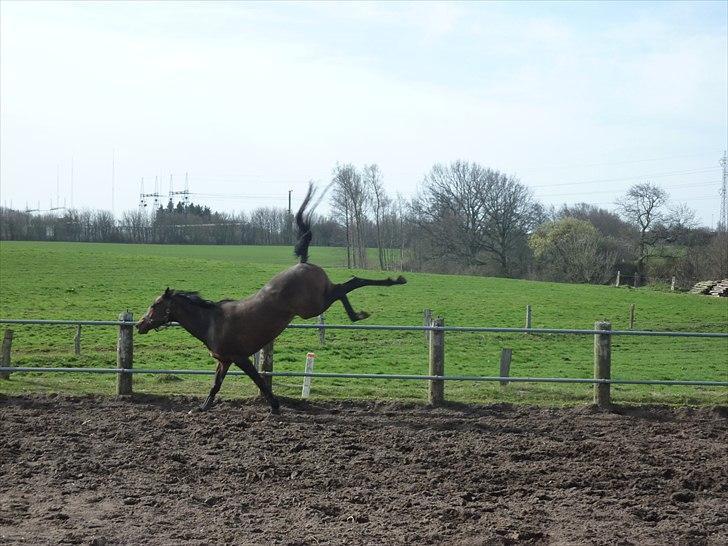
(275, 409)
(401, 280)
(198, 409)
(361, 315)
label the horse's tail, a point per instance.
(303, 228)
(303, 223)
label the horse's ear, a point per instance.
(167, 293)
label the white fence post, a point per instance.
(306, 390)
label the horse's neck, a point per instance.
(196, 320)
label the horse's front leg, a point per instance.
(222, 369)
(244, 364)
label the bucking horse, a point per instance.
(234, 330)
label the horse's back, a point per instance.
(302, 289)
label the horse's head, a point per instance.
(158, 314)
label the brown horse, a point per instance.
(234, 330)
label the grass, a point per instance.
(99, 281)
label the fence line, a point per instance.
(484, 329)
(601, 332)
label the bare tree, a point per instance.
(269, 225)
(136, 224)
(380, 204)
(643, 207)
(348, 201)
(473, 213)
(607, 223)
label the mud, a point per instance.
(95, 470)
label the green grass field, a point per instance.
(99, 281)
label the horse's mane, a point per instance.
(195, 299)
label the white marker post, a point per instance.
(310, 357)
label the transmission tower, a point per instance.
(723, 221)
(143, 196)
(184, 193)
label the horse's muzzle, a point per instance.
(143, 326)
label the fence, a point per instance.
(434, 330)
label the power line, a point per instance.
(590, 192)
(625, 162)
(631, 177)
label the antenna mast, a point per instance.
(723, 220)
(113, 178)
(71, 183)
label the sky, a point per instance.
(578, 100)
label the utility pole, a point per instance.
(71, 182)
(113, 178)
(723, 220)
(290, 218)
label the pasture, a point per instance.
(98, 281)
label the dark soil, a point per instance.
(94, 470)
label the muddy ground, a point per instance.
(95, 470)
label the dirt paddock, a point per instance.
(95, 470)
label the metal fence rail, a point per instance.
(406, 377)
(386, 327)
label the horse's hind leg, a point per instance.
(222, 369)
(353, 315)
(247, 366)
(356, 282)
(340, 291)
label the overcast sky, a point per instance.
(578, 100)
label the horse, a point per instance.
(234, 330)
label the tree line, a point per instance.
(465, 218)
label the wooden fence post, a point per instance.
(631, 316)
(505, 364)
(322, 329)
(427, 321)
(266, 363)
(7, 344)
(77, 340)
(528, 316)
(619, 274)
(672, 284)
(256, 360)
(602, 364)
(125, 354)
(437, 363)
